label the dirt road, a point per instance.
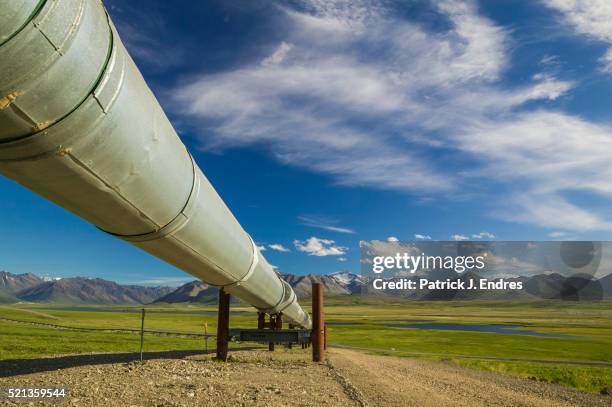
(392, 381)
(284, 378)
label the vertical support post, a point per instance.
(223, 325)
(279, 322)
(324, 336)
(261, 320)
(272, 326)
(290, 345)
(318, 323)
(142, 317)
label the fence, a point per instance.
(128, 330)
(142, 331)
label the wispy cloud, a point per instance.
(363, 95)
(458, 238)
(557, 235)
(422, 237)
(592, 18)
(315, 246)
(144, 35)
(392, 239)
(483, 235)
(324, 223)
(277, 247)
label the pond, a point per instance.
(490, 328)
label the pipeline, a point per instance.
(80, 127)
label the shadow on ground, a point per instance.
(16, 367)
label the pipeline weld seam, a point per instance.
(81, 164)
(176, 223)
(31, 17)
(251, 269)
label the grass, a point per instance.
(24, 341)
(31, 341)
(589, 322)
(586, 378)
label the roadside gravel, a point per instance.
(282, 378)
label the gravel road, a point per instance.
(283, 378)
(393, 381)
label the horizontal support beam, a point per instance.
(268, 335)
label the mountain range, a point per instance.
(192, 292)
(74, 290)
(342, 283)
(81, 290)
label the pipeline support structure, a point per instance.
(80, 127)
(272, 332)
(318, 324)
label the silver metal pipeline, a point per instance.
(79, 126)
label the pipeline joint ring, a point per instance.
(251, 269)
(175, 224)
(284, 302)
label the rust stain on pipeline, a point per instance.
(64, 151)
(8, 99)
(41, 126)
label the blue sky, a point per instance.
(324, 122)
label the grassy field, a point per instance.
(589, 325)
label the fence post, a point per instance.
(206, 335)
(324, 336)
(142, 318)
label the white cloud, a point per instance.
(342, 259)
(422, 237)
(459, 238)
(392, 239)
(546, 154)
(483, 235)
(278, 247)
(278, 56)
(424, 94)
(262, 248)
(558, 235)
(606, 61)
(551, 211)
(592, 18)
(324, 223)
(315, 246)
(588, 17)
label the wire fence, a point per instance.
(109, 329)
